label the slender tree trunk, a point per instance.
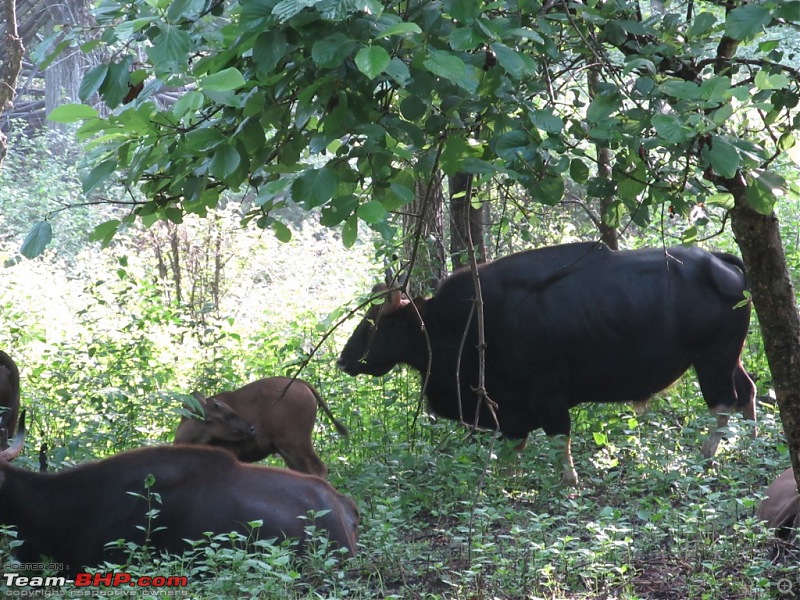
(12, 63)
(608, 234)
(465, 222)
(424, 232)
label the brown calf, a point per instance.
(9, 397)
(71, 515)
(282, 412)
(781, 508)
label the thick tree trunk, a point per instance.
(13, 50)
(758, 237)
(466, 225)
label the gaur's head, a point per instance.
(217, 423)
(390, 333)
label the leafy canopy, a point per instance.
(346, 105)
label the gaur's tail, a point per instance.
(340, 427)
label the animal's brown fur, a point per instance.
(281, 410)
(781, 508)
(9, 395)
(71, 515)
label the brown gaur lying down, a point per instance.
(70, 516)
(781, 508)
(275, 415)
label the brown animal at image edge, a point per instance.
(781, 506)
(275, 415)
(9, 396)
(69, 516)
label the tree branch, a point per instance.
(11, 67)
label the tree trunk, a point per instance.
(758, 237)
(63, 76)
(423, 237)
(12, 63)
(608, 233)
(466, 226)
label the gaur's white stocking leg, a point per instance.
(712, 442)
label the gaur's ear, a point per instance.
(394, 301)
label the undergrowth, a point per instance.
(445, 513)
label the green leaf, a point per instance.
(578, 171)
(763, 192)
(446, 65)
(549, 190)
(92, 81)
(333, 50)
(117, 83)
(767, 81)
(670, 128)
(314, 187)
(98, 175)
(225, 161)
(465, 39)
(105, 232)
(268, 50)
(683, 90)
(545, 120)
(191, 101)
(282, 232)
(723, 199)
(180, 10)
(286, 9)
(722, 156)
(203, 138)
(398, 70)
(689, 235)
(512, 146)
(716, 89)
(70, 113)
(36, 241)
(223, 81)
(702, 24)
(456, 150)
(746, 22)
(510, 60)
(350, 231)
(170, 48)
(403, 28)
(602, 107)
(372, 212)
(372, 61)
(338, 210)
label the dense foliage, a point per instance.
(349, 106)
